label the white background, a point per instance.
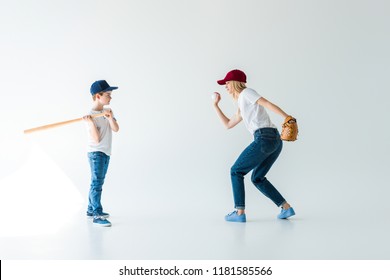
(324, 62)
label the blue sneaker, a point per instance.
(101, 222)
(284, 214)
(234, 217)
(104, 215)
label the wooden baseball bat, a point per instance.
(53, 125)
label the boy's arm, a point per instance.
(113, 123)
(92, 128)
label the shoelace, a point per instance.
(234, 212)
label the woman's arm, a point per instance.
(228, 123)
(269, 105)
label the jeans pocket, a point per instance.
(268, 144)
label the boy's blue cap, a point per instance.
(101, 86)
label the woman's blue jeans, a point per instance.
(259, 156)
(98, 162)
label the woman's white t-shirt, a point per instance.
(254, 115)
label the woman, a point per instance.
(260, 155)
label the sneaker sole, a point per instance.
(236, 221)
(104, 216)
(286, 218)
(100, 225)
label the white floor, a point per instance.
(202, 236)
(338, 217)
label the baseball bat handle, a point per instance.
(57, 124)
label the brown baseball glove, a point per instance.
(289, 129)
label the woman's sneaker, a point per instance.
(101, 222)
(284, 214)
(234, 217)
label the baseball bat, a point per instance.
(57, 124)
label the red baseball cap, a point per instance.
(234, 75)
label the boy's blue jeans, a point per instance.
(98, 162)
(259, 156)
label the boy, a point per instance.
(99, 148)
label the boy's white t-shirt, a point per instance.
(254, 115)
(105, 133)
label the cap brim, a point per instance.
(221, 82)
(110, 88)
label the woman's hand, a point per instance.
(217, 98)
